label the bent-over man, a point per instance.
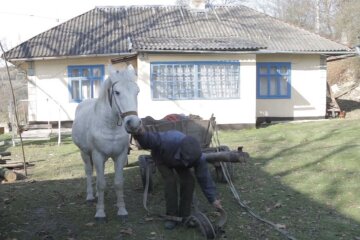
(172, 152)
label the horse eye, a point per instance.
(117, 93)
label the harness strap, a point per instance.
(110, 93)
(110, 97)
(123, 115)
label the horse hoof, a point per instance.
(90, 201)
(101, 220)
(122, 218)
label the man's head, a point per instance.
(189, 151)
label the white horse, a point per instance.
(101, 130)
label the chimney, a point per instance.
(197, 4)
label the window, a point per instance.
(85, 81)
(195, 80)
(273, 80)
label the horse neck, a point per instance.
(105, 114)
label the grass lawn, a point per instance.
(303, 176)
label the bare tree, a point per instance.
(347, 23)
(324, 13)
(182, 2)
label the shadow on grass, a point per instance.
(57, 210)
(304, 217)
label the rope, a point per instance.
(145, 198)
(237, 196)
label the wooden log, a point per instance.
(5, 154)
(227, 156)
(2, 161)
(8, 175)
(14, 165)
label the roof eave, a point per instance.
(306, 52)
(72, 57)
(260, 51)
(197, 51)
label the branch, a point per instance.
(14, 104)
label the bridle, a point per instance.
(122, 114)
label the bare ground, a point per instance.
(350, 103)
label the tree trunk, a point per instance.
(8, 175)
(317, 18)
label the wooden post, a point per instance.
(59, 126)
(8, 175)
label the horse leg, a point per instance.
(99, 162)
(89, 174)
(119, 185)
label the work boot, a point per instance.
(169, 225)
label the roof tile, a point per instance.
(106, 30)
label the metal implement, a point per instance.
(208, 229)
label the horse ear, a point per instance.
(131, 69)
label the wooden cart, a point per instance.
(205, 131)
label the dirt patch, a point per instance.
(344, 79)
(350, 102)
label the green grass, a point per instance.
(305, 176)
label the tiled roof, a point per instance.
(119, 30)
(216, 44)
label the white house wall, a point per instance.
(49, 97)
(48, 89)
(308, 88)
(234, 111)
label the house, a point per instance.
(230, 61)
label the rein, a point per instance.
(236, 195)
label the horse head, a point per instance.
(122, 97)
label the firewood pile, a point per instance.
(8, 168)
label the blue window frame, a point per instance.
(85, 81)
(195, 80)
(273, 80)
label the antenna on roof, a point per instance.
(129, 44)
(197, 4)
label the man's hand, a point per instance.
(140, 131)
(217, 204)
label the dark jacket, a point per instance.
(164, 146)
